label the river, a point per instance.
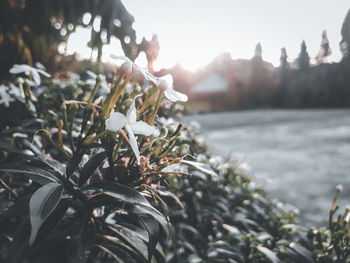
(299, 156)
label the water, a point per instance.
(299, 156)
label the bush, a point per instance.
(75, 187)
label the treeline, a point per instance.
(300, 84)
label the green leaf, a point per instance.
(152, 228)
(36, 174)
(90, 167)
(42, 203)
(131, 239)
(123, 193)
(270, 255)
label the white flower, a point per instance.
(339, 187)
(17, 69)
(5, 98)
(166, 85)
(73, 76)
(15, 91)
(118, 121)
(144, 71)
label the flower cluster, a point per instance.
(117, 120)
(8, 94)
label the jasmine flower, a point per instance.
(144, 71)
(17, 69)
(117, 121)
(166, 85)
(5, 98)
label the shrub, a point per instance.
(77, 185)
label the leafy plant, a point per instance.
(74, 189)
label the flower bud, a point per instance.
(128, 102)
(20, 81)
(339, 187)
(178, 139)
(63, 106)
(125, 68)
(163, 165)
(27, 82)
(143, 187)
(99, 78)
(163, 85)
(46, 133)
(137, 89)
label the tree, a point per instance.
(30, 31)
(325, 50)
(303, 61)
(283, 58)
(258, 52)
(345, 33)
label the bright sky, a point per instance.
(193, 32)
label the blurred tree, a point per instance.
(345, 33)
(283, 58)
(303, 61)
(30, 31)
(258, 52)
(325, 50)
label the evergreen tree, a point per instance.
(283, 58)
(258, 51)
(345, 33)
(303, 61)
(325, 50)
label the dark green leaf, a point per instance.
(42, 203)
(270, 255)
(122, 193)
(36, 174)
(90, 167)
(131, 239)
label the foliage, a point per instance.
(30, 31)
(72, 191)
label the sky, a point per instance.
(194, 32)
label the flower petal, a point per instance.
(121, 58)
(44, 73)
(16, 69)
(40, 66)
(36, 76)
(174, 95)
(131, 115)
(116, 121)
(91, 82)
(133, 143)
(14, 90)
(141, 127)
(91, 74)
(145, 73)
